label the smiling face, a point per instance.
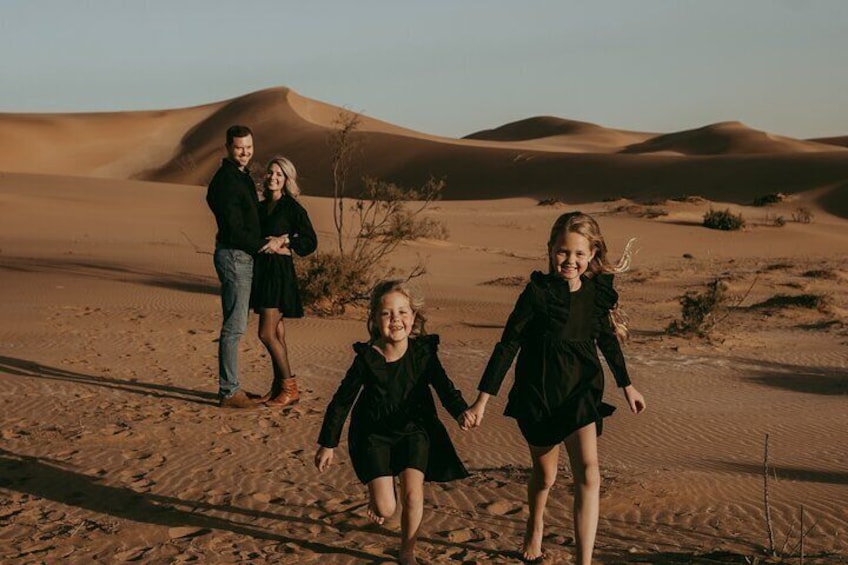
(241, 150)
(395, 317)
(571, 255)
(275, 178)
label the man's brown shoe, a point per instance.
(237, 400)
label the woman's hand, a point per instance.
(634, 399)
(473, 417)
(323, 458)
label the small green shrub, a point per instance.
(766, 199)
(723, 220)
(699, 310)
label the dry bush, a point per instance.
(723, 220)
(766, 199)
(368, 229)
(552, 201)
(774, 221)
(802, 216)
(699, 310)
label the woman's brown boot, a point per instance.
(276, 390)
(290, 395)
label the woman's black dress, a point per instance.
(394, 425)
(274, 278)
(559, 382)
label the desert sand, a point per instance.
(113, 447)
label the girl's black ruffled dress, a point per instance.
(274, 278)
(559, 381)
(394, 425)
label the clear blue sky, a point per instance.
(444, 67)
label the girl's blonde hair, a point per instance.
(585, 225)
(290, 186)
(383, 288)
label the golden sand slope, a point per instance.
(538, 157)
(113, 449)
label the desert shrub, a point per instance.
(328, 282)
(774, 221)
(369, 228)
(689, 199)
(655, 213)
(723, 220)
(699, 310)
(802, 216)
(766, 199)
(552, 201)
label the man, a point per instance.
(232, 198)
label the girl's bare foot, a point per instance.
(373, 515)
(532, 550)
(407, 557)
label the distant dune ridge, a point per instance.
(537, 157)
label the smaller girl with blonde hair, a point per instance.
(559, 321)
(394, 429)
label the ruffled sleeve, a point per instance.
(507, 348)
(343, 399)
(450, 397)
(303, 238)
(605, 300)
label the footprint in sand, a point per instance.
(502, 507)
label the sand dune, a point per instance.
(726, 138)
(538, 157)
(841, 141)
(113, 449)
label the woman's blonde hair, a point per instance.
(290, 186)
(585, 225)
(385, 287)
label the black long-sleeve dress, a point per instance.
(394, 425)
(559, 381)
(274, 277)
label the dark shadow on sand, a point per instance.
(780, 472)
(52, 480)
(183, 282)
(827, 381)
(48, 480)
(32, 369)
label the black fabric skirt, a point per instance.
(275, 285)
(565, 420)
(387, 454)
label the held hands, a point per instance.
(278, 244)
(634, 399)
(323, 458)
(473, 417)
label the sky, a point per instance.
(444, 67)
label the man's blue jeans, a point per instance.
(235, 271)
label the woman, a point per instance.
(275, 295)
